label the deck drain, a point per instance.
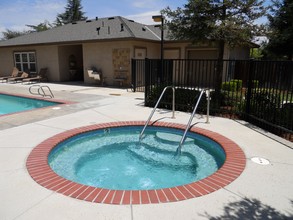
(260, 161)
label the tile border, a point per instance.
(40, 171)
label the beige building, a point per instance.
(104, 45)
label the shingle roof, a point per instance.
(110, 28)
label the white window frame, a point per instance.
(25, 62)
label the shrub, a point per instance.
(229, 86)
(255, 83)
(264, 104)
(238, 82)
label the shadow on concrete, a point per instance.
(250, 209)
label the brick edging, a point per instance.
(40, 171)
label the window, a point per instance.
(26, 61)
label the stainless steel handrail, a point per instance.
(41, 91)
(178, 151)
(152, 113)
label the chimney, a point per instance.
(97, 18)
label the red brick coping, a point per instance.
(40, 171)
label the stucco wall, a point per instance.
(239, 53)
(100, 56)
(47, 56)
(6, 61)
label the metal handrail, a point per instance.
(152, 113)
(41, 91)
(178, 151)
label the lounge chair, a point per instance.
(94, 74)
(14, 74)
(23, 76)
(41, 76)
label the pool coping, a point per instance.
(60, 102)
(39, 169)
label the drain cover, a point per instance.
(260, 161)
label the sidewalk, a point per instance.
(261, 192)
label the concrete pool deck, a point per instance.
(260, 192)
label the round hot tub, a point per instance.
(107, 163)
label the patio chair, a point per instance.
(23, 76)
(41, 76)
(14, 74)
(94, 74)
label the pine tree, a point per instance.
(73, 12)
(281, 30)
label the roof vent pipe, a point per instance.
(109, 30)
(122, 27)
(97, 18)
(98, 30)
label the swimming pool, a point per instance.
(11, 104)
(39, 169)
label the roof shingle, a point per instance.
(110, 28)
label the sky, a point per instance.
(16, 14)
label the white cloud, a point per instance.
(18, 14)
(144, 18)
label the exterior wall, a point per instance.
(239, 53)
(6, 61)
(47, 56)
(103, 55)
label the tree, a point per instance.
(8, 34)
(73, 12)
(229, 22)
(41, 27)
(226, 21)
(281, 30)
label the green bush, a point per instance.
(233, 85)
(255, 83)
(185, 99)
(264, 103)
(238, 82)
(229, 86)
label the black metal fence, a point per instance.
(260, 92)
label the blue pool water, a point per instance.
(114, 158)
(11, 104)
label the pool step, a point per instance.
(169, 138)
(161, 157)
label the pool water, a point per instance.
(115, 159)
(11, 104)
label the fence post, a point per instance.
(249, 88)
(133, 75)
(147, 76)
